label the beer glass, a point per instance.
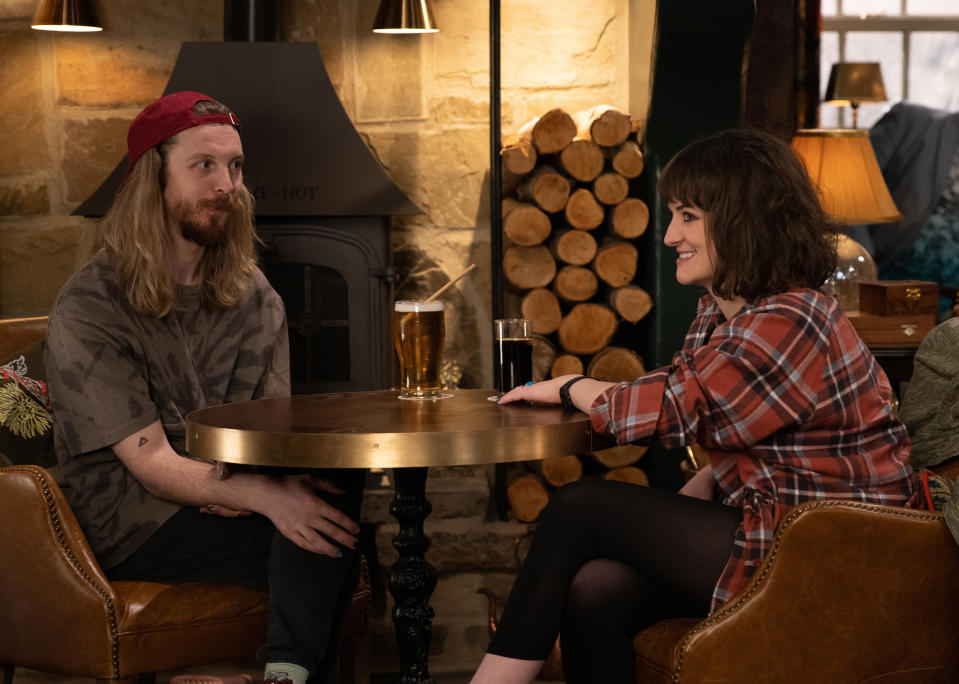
(512, 353)
(418, 335)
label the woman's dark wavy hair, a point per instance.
(767, 226)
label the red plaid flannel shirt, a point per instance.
(790, 406)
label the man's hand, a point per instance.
(307, 520)
(290, 502)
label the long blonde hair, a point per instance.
(138, 241)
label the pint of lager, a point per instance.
(418, 336)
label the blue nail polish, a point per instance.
(529, 383)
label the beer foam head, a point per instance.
(418, 306)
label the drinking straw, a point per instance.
(448, 285)
(440, 291)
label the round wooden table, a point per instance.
(379, 430)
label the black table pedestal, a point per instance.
(412, 578)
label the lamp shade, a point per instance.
(66, 15)
(853, 82)
(404, 16)
(844, 170)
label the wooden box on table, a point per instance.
(892, 331)
(895, 313)
(898, 298)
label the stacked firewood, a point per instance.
(570, 221)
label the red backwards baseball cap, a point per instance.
(166, 117)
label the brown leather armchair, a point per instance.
(59, 613)
(850, 592)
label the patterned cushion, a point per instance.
(26, 428)
(935, 491)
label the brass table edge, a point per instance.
(387, 450)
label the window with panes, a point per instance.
(916, 43)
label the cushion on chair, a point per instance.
(26, 427)
(849, 592)
(198, 622)
(169, 626)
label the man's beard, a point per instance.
(205, 230)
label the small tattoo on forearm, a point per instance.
(143, 440)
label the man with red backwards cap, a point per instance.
(170, 316)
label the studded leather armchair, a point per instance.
(850, 592)
(59, 613)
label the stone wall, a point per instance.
(420, 103)
(67, 101)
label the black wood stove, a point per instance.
(323, 204)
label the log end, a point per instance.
(616, 263)
(566, 364)
(583, 211)
(527, 497)
(541, 307)
(553, 131)
(560, 470)
(528, 267)
(611, 128)
(587, 328)
(628, 474)
(575, 284)
(620, 456)
(616, 364)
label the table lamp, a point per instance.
(851, 83)
(843, 168)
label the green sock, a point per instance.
(281, 671)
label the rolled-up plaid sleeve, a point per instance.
(630, 412)
(755, 376)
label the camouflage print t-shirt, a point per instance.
(112, 371)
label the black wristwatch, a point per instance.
(564, 397)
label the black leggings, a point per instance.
(608, 559)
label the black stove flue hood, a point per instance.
(303, 155)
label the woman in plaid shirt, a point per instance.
(771, 380)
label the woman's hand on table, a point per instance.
(583, 393)
(546, 392)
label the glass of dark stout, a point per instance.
(512, 353)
